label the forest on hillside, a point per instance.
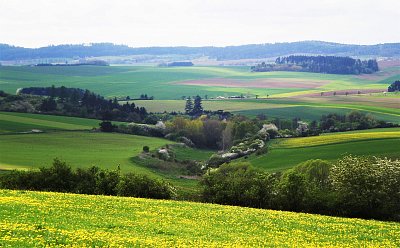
(9, 52)
(320, 64)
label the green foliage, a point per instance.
(107, 126)
(395, 86)
(367, 186)
(142, 186)
(146, 149)
(320, 64)
(238, 184)
(61, 178)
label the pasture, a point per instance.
(57, 219)
(24, 122)
(286, 153)
(78, 149)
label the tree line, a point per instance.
(73, 102)
(364, 187)
(8, 52)
(320, 64)
(94, 181)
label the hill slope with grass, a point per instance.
(56, 219)
(286, 153)
(11, 122)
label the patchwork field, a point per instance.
(287, 89)
(56, 219)
(306, 109)
(175, 82)
(286, 153)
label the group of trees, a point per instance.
(82, 103)
(395, 86)
(195, 107)
(320, 64)
(354, 120)
(61, 178)
(366, 187)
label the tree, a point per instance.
(227, 138)
(106, 126)
(395, 86)
(48, 104)
(197, 106)
(212, 130)
(189, 106)
(367, 186)
(238, 184)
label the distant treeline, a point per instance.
(92, 62)
(8, 52)
(320, 64)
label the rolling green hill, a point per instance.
(24, 122)
(286, 153)
(57, 219)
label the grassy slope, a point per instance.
(55, 219)
(286, 153)
(79, 149)
(23, 122)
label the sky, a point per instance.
(144, 23)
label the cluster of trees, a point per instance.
(395, 86)
(95, 181)
(79, 102)
(320, 64)
(183, 63)
(195, 107)
(96, 62)
(354, 120)
(366, 187)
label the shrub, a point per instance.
(143, 186)
(367, 187)
(238, 184)
(146, 149)
(61, 178)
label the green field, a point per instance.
(287, 89)
(162, 83)
(55, 219)
(78, 149)
(286, 153)
(25, 122)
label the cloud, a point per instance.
(34, 23)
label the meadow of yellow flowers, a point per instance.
(42, 219)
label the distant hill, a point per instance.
(253, 51)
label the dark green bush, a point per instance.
(61, 178)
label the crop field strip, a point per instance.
(334, 138)
(57, 219)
